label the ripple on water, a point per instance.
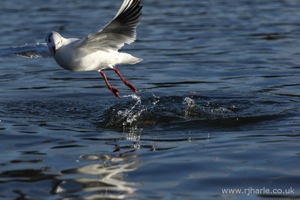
(149, 111)
(191, 112)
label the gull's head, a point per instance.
(54, 42)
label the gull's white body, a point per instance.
(72, 58)
(97, 51)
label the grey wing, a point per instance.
(121, 30)
(28, 50)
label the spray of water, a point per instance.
(132, 114)
(190, 106)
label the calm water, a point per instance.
(218, 106)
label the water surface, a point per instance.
(217, 107)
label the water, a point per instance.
(217, 107)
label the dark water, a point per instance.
(217, 107)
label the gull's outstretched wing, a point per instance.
(121, 30)
(28, 50)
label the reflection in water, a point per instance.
(101, 180)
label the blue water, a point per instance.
(217, 107)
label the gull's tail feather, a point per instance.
(135, 60)
(129, 59)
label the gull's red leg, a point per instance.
(111, 88)
(124, 80)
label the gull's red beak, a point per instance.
(54, 49)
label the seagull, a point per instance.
(97, 51)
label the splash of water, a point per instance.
(134, 113)
(130, 114)
(190, 106)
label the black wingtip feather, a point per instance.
(131, 13)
